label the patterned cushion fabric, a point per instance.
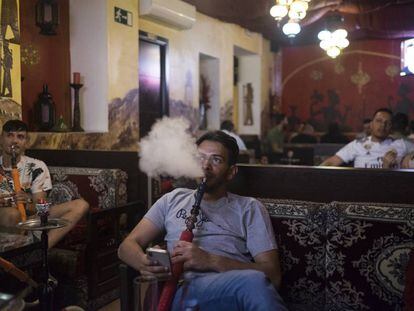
(367, 253)
(102, 188)
(300, 233)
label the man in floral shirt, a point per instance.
(35, 182)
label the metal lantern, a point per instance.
(47, 16)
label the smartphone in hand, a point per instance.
(160, 255)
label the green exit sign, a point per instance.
(122, 16)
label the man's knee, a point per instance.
(80, 206)
(10, 217)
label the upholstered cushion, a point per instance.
(368, 248)
(300, 233)
(102, 188)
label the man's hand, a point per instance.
(193, 257)
(23, 197)
(152, 267)
(389, 160)
(5, 200)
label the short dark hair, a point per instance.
(366, 120)
(227, 125)
(226, 140)
(386, 110)
(15, 126)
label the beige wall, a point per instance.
(122, 50)
(208, 36)
(212, 37)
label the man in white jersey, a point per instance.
(35, 182)
(375, 151)
(233, 259)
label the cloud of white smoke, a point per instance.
(169, 149)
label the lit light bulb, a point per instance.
(342, 43)
(291, 29)
(324, 44)
(278, 11)
(285, 2)
(297, 14)
(340, 34)
(299, 6)
(333, 51)
(324, 34)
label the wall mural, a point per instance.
(248, 103)
(9, 61)
(345, 90)
(123, 134)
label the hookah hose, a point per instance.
(16, 181)
(17, 273)
(170, 286)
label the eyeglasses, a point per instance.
(213, 159)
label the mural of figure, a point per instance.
(7, 64)
(9, 18)
(404, 104)
(248, 103)
(293, 119)
(316, 98)
(331, 113)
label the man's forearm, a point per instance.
(130, 252)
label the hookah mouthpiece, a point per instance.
(14, 155)
(200, 192)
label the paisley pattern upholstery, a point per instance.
(343, 256)
(102, 188)
(71, 261)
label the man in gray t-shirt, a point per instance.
(233, 259)
(240, 231)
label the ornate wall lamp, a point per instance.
(47, 16)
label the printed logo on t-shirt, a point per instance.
(183, 214)
(377, 163)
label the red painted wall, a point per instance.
(47, 61)
(319, 89)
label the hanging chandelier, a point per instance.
(334, 37)
(294, 10)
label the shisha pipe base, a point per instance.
(37, 225)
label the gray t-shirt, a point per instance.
(234, 226)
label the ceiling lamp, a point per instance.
(291, 29)
(333, 41)
(294, 9)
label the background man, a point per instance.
(233, 255)
(35, 181)
(228, 127)
(375, 151)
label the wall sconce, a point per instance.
(47, 16)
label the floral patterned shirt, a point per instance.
(34, 176)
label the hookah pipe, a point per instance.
(17, 273)
(170, 285)
(16, 181)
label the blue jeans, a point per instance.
(227, 291)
